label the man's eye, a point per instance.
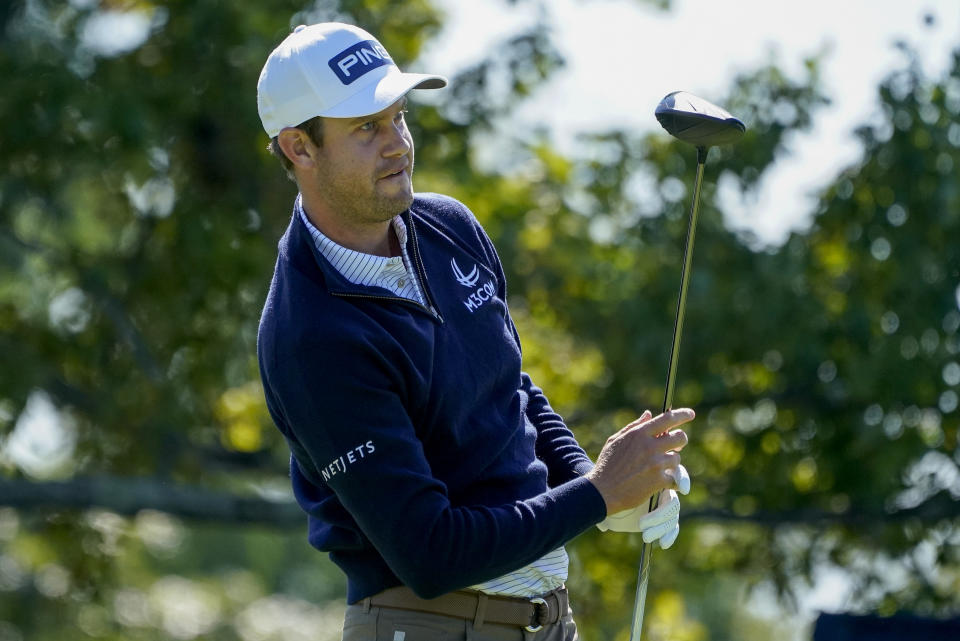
(370, 125)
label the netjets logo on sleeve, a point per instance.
(468, 280)
(481, 294)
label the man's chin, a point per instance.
(401, 199)
(394, 205)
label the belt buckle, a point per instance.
(535, 602)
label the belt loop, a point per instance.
(481, 610)
(366, 605)
(564, 599)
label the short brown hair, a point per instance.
(313, 128)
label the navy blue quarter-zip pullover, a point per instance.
(421, 452)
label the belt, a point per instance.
(530, 614)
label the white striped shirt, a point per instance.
(545, 574)
(397, 275)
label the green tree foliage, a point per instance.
(139, 217)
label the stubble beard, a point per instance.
(364, 204)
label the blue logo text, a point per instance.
(357, 60)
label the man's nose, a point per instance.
(399, 142)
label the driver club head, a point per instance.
(696, 121)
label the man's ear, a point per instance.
(297, 147)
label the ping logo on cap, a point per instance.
(353, 62)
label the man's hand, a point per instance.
(641, 459)
(663, 523)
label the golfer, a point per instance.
(431, 467)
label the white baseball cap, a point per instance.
(334, 70)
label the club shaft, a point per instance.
(646, 550)
(684, 280)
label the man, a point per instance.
(433, 470)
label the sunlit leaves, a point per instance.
(669, 620)
(556, 361)
(804, 474)
(244, 417)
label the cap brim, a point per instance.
(379, 95)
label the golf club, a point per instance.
(702, 124)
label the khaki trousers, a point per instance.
(389, 624)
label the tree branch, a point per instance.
(938, 507)
(128, 496)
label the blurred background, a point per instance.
(143, 489)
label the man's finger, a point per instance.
(663, 422)
(681, 477)
(646, 416)
(673, 440)
(666, 511)
(657, 531)
(667, 539)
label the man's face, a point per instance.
(365, 166)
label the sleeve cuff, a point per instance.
(583, 467)
(586, 501)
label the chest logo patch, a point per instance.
(467, 280)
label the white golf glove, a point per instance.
(663, 523)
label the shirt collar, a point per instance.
(357, 267)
